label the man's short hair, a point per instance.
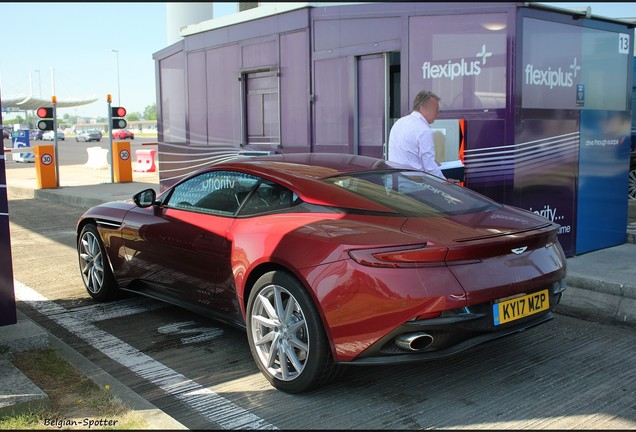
(422, 97)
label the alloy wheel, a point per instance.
(280, 333)
(91, 262)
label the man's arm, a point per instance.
(427, 154)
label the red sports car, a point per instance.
(328, 259)
(123, 134)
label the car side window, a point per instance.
(269, 196)
(218, 192)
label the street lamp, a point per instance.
(39, 83)
(118, 93)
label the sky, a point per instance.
(71, 45)
(76, 40)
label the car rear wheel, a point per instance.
(286, 336)
(631, 191)
(93, 261)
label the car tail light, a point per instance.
(421, 255)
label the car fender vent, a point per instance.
(108, 223)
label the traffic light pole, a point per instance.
(57, 163)
(115, 121)
(110, 140)
(48, 122)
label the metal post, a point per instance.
(57, 162)
(110, 140)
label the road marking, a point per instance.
(202, 333)
(117, 309)
(201, 399)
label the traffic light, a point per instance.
(46, 114)
(118, 114)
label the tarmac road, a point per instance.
(566, 374)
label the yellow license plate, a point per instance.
(520, 307)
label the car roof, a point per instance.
(311, 165)
(303, 172)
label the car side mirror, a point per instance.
(145, 198)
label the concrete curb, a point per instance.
(631, 232)
(83, 196)
(18, 394)
(599, 301)
(156, 418)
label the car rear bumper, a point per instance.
(452, 333)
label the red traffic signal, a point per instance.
(45, 113)
(117, 114)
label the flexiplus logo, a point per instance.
(458, 69)
(552, 78)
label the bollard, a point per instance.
(97, 158)
(45, 166)
(122, 167)
(145, 160)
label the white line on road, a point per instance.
(201, 399)
(116, 309)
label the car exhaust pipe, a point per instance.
(414, 341)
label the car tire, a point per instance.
(631, 187)
(303, 358)
(94, 266)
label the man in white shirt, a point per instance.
(411, 138)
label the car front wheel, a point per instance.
(93, 261)
(286, 336)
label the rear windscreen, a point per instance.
(413, 193)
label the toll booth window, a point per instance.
(219, 192)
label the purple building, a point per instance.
(535, 101)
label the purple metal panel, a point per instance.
(488, 169)
(462, 58)
(262, 53)
(7, 296)
(295, 91)
(331, 106)
(224, 115)
(179, 160)
(340, 33)
(197, 99)
(551, 64)
(282, 23)
(567, 66)
(173, 112)
(546, 168)
(371, 105)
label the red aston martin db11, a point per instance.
(327, 259)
